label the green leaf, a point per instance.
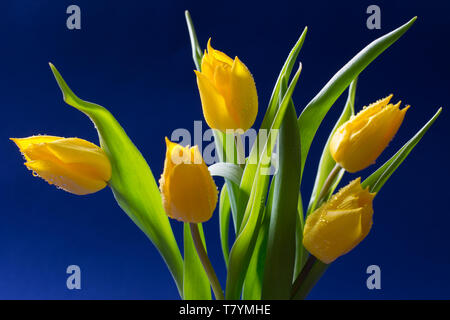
(224, 222)
(280, 256)
(377, 179)
(285, 72)
(268, 145)
(197, 53)
(300, 252)
(230, 171)
(327, 162)
(255, 272)
(242, 249)
(132, 181)
(196, 284)
(271, 112)
(313, 114)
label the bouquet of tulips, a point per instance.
(282, 245)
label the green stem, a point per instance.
(313, 270)
(198, 243)
(301, 277)
(327, 184)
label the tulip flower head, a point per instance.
(357, 143)
(227, 91)
(188, 191)
(72, 164)
(339, 224)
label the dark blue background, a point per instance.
(134, 58)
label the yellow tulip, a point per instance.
(357, 143)
(227, 91)
(74, 165)
(339, 224)
(188, 191)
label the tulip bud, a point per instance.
(357, 143)
(74, 165)
(339, 224)
(188, 191)
(227, 91)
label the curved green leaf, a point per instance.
(285, 72)
(197, 53)
(242, 249)
(132, 181)
(300, 252)
(313, 114)
(269, 117)
(230, 171)
(268, 145)
(255, 272)
(280, 256)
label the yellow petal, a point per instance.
(24, 143)
(79, 151)
(65, 177)
(227, 91)
(194, 201)
(222, 80)
(359, 142)
(214, 107)
(244, 98)
(72, 164)
(218, 55)
(339, 224)
(334, 233)
(207, 68)
(188, 191)
(358, 121)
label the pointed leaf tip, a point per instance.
(65, 90)
(377, 179)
